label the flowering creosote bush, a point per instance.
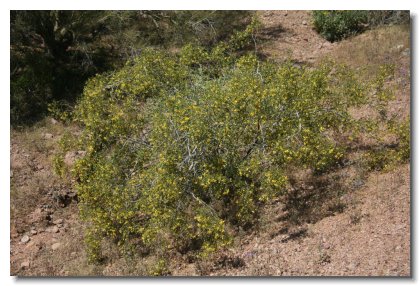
(180, 148)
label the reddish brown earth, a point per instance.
(364, 230)
(292, 37)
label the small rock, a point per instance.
(25, 239)
(285, 14)
(60, 225)
(34, 232)
(55, 246)
(53, 229)
(53, 121)
(11, 174)
(58, 221)
(25, 264)
(48, 136)
(304, 23)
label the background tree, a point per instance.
(53, 53)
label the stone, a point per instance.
(30, 244)
(56, 246)
(53, 229)
(54, 121)
(58, 221)
(304, 23)
(25, 239)
(48, 136)
(25, 264)
(34, 232)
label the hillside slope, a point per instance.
(361, 226)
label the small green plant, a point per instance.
(384, 157)
(159, 268)
(336, 25)
(60, 110)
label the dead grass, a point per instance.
(383, 45)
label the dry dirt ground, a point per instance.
(292, 37)
(359, 223)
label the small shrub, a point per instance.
(336, 25)
(385, 157)
(388, 17)
(60, 110)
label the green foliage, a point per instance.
(402, 130)
(177, 28)
(60, 110)
(53, 53)
(389, 17)
(384, 157)
(335, 25)
(180, 148)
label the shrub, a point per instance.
(386, 156)
(388, 17)
(180, 148)
(335, 25)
